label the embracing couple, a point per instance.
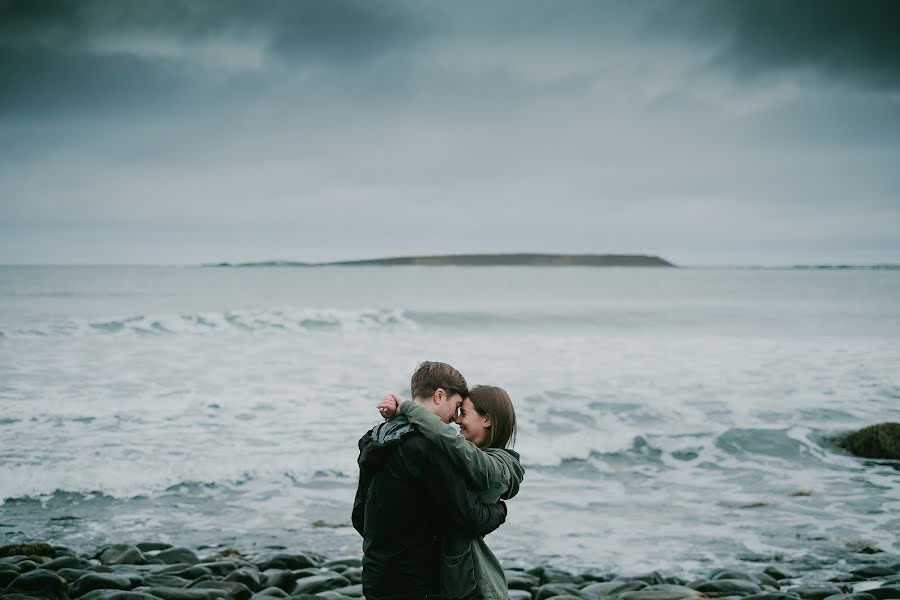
(427, 496)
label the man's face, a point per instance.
(446, 407)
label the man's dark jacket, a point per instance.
(408, 494)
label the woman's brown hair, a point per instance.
(495, 403)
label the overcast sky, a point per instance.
(707, 132)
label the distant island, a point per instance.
(479, 260)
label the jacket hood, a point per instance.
(510, 458)
(374, 447)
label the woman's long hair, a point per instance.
(494, 402)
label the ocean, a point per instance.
(669, 419)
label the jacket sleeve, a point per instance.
(358, 516)
(451, 496)
(479, 467)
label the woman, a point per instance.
(487, 424)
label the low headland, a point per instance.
(478, 260)
(158, 571)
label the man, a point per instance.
(409, 493)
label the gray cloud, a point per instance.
(852, 42)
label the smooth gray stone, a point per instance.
(158, 580)
(320, 583)
(7, 577)
(549, 590)
(8, 566)
(519, 580)
(101, 581)
(171, 556)
(39, 580)
(170, 593)
(67, 562)
(248, 576)
(738, 587)
(652, 578)
(238, 591)
(564, 597)
(892, 580)
(152, 546)
(553, 575)
(772, 596)
(612, 588)
(731, 574)
(354, 574)
(856, 596)
(121, 554)
(659, 595)
(345, 562)
(351, 591)
(519, 595)
(194, 572)
(287, 561)
(672, 587)
(766, 580)
(885, 592)
(117, 595)
(816, 593)
(778, 573)
(269, 592)
(219, 567)
(332, 595)
(26, 565)
(869, 572)
(596, 575)
(72, 575)
(282, 579)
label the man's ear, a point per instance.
(438, 396)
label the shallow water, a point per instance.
(668, 419)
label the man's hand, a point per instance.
(390, 406)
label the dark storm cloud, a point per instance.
(62, 56)
(851, 41)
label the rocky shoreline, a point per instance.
(155, 571)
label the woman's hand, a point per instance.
(389, 406)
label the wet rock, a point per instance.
(885, 592)
(238, 591)
(652, 578)
(8, 572)
(169, 593)
(863, 547)
(121, 554)
(722, 587)
(648, 594)
(157, 580)
(171, 556)
(549, 590)
(519, 595)
(354, 574)
(39, 583)
(519, 580)
(553, 575)
(26, 565)
(72, 575)
(816, 592)
(116, 595)
(270, 592)
(37, 549)
(778, 573)
(350, 591)
(247, 576)
(856, 596)
(772, 596)
(726, 574)
(874, 571)
(671, 587)
(281, 579)
(595, 575)
(67, 562)
(287, 561)
(101, 581)
(186, 572)
(612, 588)
(152, 546)
(320, 583)
(343, 562)
(875, 441)
(220, 568)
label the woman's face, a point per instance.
(472, 426)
